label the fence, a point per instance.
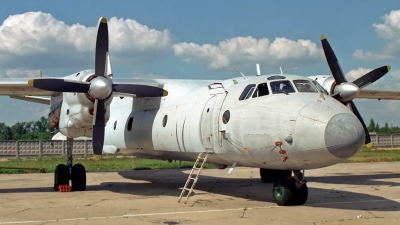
(385, 140)
(43, 148)
(84, 147)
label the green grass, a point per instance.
(376, 155)
(108, 163)
(123, 163)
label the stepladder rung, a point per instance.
(202, 160)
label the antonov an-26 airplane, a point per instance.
(282, 124)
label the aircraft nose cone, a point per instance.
(344, 135)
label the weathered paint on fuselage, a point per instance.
(192, 114)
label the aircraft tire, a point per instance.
(300, 195)
(283, 192)
(61, 176)
(272, 176)
(78, 177)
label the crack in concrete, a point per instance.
(91, 204)
(23, 210)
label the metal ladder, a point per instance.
(202, 160)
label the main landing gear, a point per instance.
(287, 190)
(64, 173)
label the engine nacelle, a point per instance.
(74, 113)
(343, 92)
(326, 81)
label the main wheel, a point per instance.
(300, 195)
(61, 176)
(283, 192)
(78, 177)
(272, 176)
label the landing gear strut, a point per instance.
(64, 173)
(272, 176)
(291, 191)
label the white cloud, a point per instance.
(15, 73)
(247, 51)
(38, 40)
(389, 32)
(357, 73)
(150, 76)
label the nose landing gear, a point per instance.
(291, 191)
(64, 173)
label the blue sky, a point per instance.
(199, 40)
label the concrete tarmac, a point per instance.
(351, 193)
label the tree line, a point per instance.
(39, 130)
(386, 129)
(33, 130)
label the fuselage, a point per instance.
(261, 121)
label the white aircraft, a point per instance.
(279, 123)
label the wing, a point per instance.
(377, 94)
(18, 88)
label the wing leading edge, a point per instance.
(378, 94)
(20, 87)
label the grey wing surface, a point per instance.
(18, 88)
(378, 94)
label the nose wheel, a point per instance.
(65, 173)
(291, 191)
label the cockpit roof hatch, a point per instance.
(276, 77)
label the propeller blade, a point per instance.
(60, 85)
(101, 47)
(332, 61)
(98, 128)
(140, 90)
(355, 111)
(371, 77)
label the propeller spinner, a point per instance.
(345, 91)
(99, 87)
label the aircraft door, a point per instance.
(209, 126)
(207, 123)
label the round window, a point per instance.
(226, 116)
(164, 121)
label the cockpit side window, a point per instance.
(283, 86)
(262, 89)
(320, 88)
(247, 92)
(304, 86)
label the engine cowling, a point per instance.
(343, 92)
(72, 113)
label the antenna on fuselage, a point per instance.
(281, 70)
(233, 70)
(258, 69)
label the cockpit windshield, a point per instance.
(304, 86)
(283, 86)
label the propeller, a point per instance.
(99, 87)
(345, 91)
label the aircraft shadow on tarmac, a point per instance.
(169, 183)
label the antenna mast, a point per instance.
(258, 69)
